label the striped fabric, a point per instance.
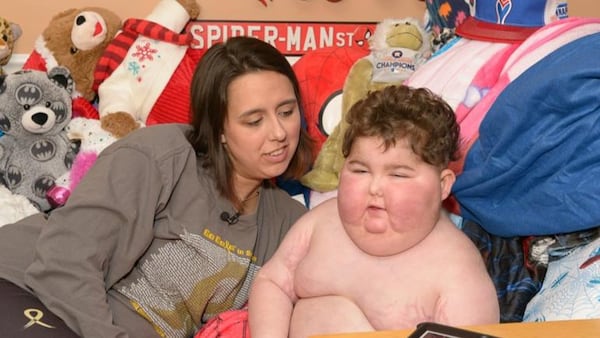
(115, 52)
(156, 31)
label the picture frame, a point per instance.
(435, 330)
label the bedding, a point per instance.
(533, 169)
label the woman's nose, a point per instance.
(278, 131)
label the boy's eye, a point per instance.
(402, 173)
(287, 112)
(358, 170)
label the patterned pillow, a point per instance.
(571, 288)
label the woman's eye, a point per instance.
(287, 113)
(254, 122)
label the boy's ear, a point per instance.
(447, 179)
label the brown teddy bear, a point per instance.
(398, 47)
(145, 74)
(75, 39)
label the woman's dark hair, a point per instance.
(219, 66)
(396, 112)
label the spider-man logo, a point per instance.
(321, 74)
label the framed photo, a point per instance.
(435, 330)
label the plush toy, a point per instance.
(321, 74)
(398, 48)
(9, 33)
(145, 73)
(92, 139)
(14, 207)
(35, 107)
(75, 39)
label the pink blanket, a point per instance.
(471, 74)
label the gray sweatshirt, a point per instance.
(140, 244)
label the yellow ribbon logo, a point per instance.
(35, 316)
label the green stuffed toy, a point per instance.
(398, 47)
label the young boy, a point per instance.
(383, 255)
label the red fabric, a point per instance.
(229, 324)
(112, 57)
(115, 52)
(173, 104)
(83, 108)
(157, 32)
(35, 61)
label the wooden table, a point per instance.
(588, 328)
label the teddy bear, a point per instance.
(145, 73)
(397, 48)
(9, 33)
(92, 139)
(35, 107)
(75, 39)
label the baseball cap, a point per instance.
(510, 21)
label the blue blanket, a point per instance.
(535, 168)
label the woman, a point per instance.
(171, 224)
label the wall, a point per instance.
(34, 15)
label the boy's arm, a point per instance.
(273, 295)
(469, 297)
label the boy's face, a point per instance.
(389, 200)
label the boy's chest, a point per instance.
(390, 292)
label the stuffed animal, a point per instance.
(9, 33)
(145, 73)
(75, 39)
(398, 48)
(35, 107)
(14, 207)
(92, 139)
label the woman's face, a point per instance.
(262, 127)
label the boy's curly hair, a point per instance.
(399, 111)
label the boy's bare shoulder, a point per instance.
(326, 207)
(323, 213)
(454, 244)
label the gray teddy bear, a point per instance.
(35, 107)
